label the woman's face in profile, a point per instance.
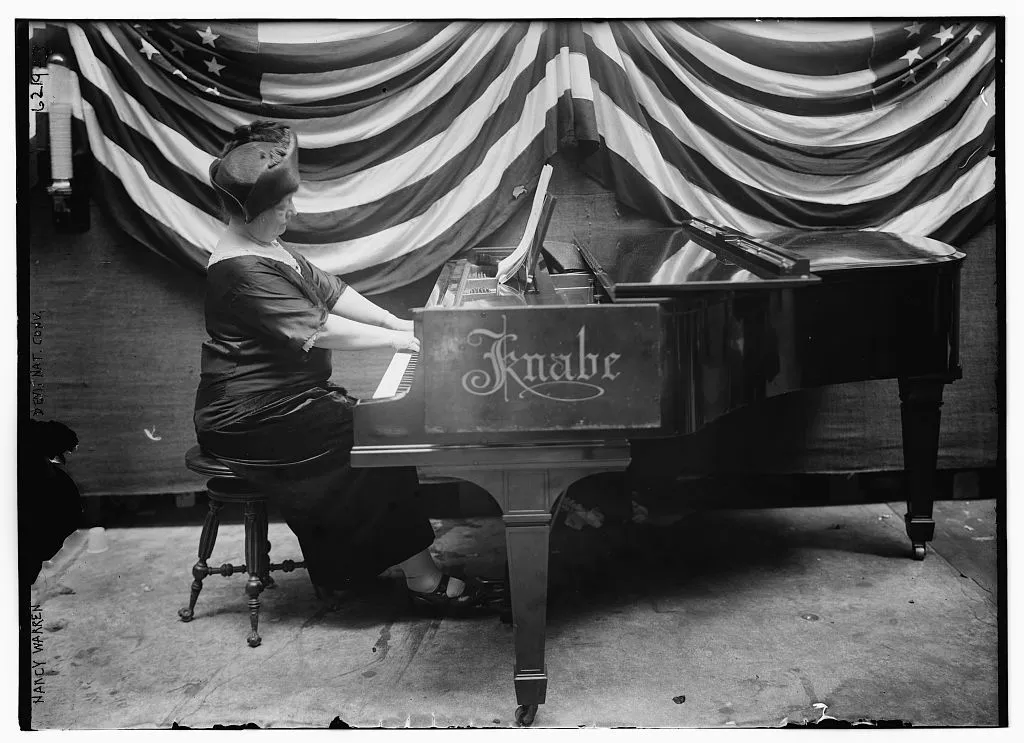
(275, 219)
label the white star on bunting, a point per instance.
(972, 34)
(177, 48)
(912, 55)
(214, 91)
(944, 35)
(208, 36)
(213, 66)
(941, 62)
(913, 29)
(180, 74)
(149, 50)
(910, 78)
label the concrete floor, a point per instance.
(726, 618)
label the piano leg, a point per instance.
(526, 539)
(526, 482)
(527, 495)
(527, 498)
(920, 403)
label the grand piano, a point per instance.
(525, 387)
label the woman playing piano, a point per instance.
(265, 404)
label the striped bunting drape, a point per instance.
(418, 139)
(772, 125)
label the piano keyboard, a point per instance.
(399, 375)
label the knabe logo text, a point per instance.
(562, 377)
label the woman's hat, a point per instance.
(257, 175)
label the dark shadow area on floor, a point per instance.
(682, 547)
(597, 571)
(612, 493)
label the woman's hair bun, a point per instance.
(258, 131)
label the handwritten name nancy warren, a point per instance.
(38, 669)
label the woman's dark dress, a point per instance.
(265, 404)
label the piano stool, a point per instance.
(225, 487)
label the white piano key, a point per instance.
(388, 385)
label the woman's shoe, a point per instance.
(438, 600)
(494, 589)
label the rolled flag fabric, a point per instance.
(417, 138)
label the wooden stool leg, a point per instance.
(265, 577)
(255, 552)
(200, 570)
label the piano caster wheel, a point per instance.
(525, 714)
(919, 551)
(185, 614)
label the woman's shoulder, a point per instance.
(307, 268)
(234, 268)
(294, 253)
(244, 274)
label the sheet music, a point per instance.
(509, 265)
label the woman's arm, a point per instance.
(344, 334)
(354, 306)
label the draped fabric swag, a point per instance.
(418, 139)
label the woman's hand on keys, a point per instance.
(405, 343)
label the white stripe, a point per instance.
(579, 74)
(371, 184)
(162, 204)
(806, 32)
(405, 238)
(305, 32)
(310, 87)
(174, 146)
(624, 137)
(882, 180)
(219, 115)
(850, 129)
(760, 78)
(930, 215)
(634, 144)
(441, 216)
(315, 132)
(379, 117)
(322, 132)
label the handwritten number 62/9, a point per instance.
(38, 94)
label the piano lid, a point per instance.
(845, 249)
(677, 260)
